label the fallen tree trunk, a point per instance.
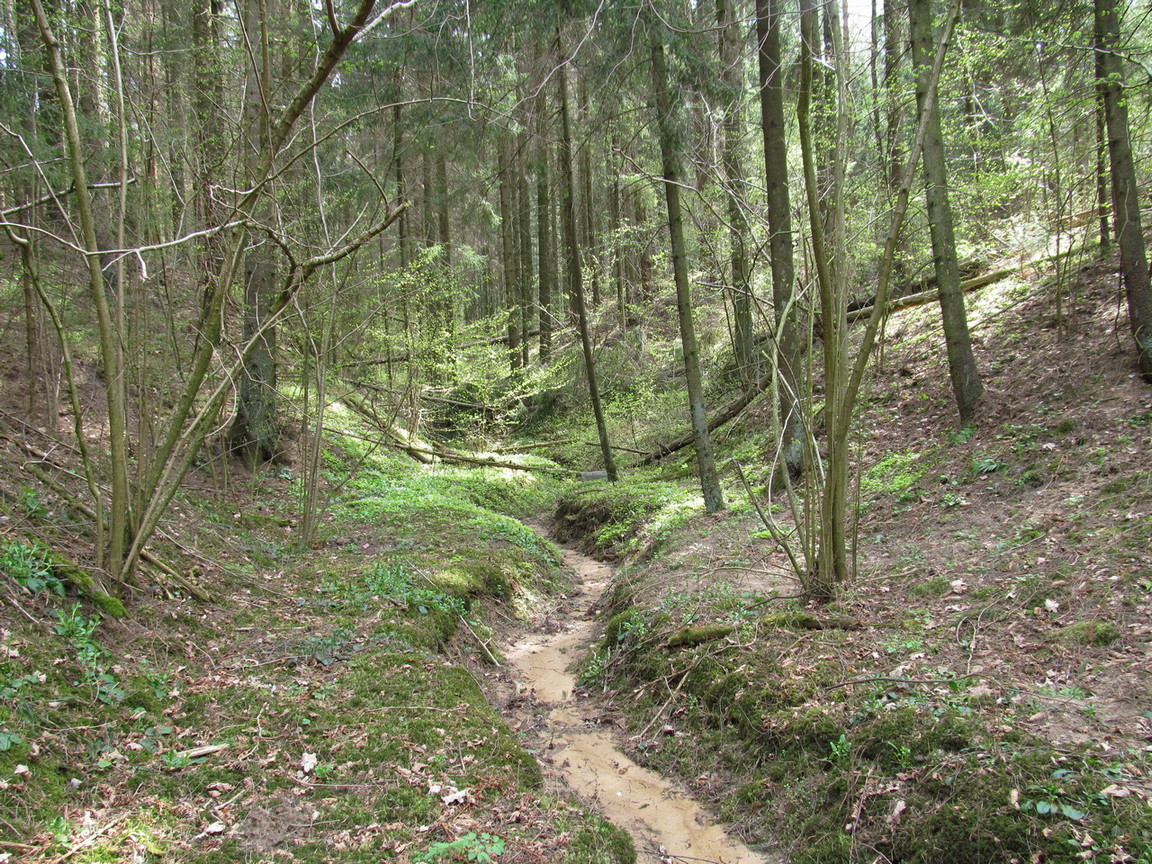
(860, 313)
(717, 420)
(427, 452)
(863, 313)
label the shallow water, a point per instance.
(666, 824)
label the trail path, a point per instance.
(665, 823)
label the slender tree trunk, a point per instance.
(524, 226)
(575, 276)
(828, 249)
(615, 229)
(670, 157)
(510, 254)
(966, 385)
(1125, 189)
(110, 329)
(894, 142)
(255, 433)
(546, 269)
(444, 225)
(731, 143)
(1103, 199)
(792, 436)
(590, 241)
(402, 230)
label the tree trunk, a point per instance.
(524, 226)
(255, 434)
(121, 518)
(510, 254)
(444, 226)
(590, 241)
(826, 222)
(1125, 190)
(670, 157)
(401, 190)
(575, 277)
(546, 269)
(792, 435)
(731, 142)
(966, 385)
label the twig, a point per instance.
(90, 839)
(413, 708)
(898, 681)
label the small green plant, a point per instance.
(74, 626)
(896, 474)
(951, 499)
(31, 504)
(594, 671)
(903, 754)
(480, 848)
(29, 568)
(963, 436)
(8, 740)
(840, 750)
(982, 465)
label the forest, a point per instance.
(417, 416)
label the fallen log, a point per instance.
(717, 420)
(427, 452)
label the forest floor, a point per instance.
(980, 692)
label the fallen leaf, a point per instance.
(1115, 791)
(894, 814)
(308, 763)
(460, 796)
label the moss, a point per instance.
(1099, 633)
(472, 579)
(108, 604)
(798, 619)
(598, 841)
(936, 587)
(608, 518)
(690, 636)
(810, 729)
(85, 584)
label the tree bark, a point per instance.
(792, 435)
(1125, 190)
(731, 142)
(510, 254)
(255, 434)
(574, 274)
(524, 226)
(966, 385)
(546, 268)
(670, 158)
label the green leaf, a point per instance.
(1071, 812)
(1045, 807)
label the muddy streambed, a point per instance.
(666, 824)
